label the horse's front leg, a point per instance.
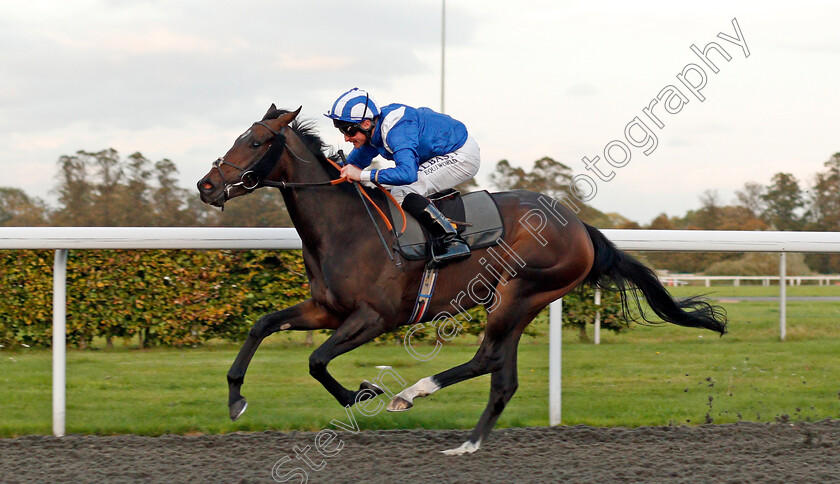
(304, 316)
(363, 325)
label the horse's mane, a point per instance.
(305, 129)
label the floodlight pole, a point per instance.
(442, 53)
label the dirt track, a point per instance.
(743, 452)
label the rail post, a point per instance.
(598, 316)
(555, 366)
(782, 296)
(59, 343)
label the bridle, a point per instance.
(250, 178)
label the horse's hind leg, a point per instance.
(487, 359)
(304, 316)
(496, 355)
(503, 384)
(504, 326)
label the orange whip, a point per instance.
(364, 194)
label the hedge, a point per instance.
(168, 297)
(185, 297)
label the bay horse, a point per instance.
(359, 297)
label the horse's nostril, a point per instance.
(206, 185)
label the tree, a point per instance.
(824, 201)
(579, 310)
(709, 217)
(751, 198)
(75, 192)
(737, 217)
(824, 212)
(713, 216)
(169, 199)
(101, 189)
(548, 176)
(759, 264)
(507, 177)
(551, 178)
(17, 209)
(135, 196)
(783, 199)
(262, 208)
(109, 174)
(661, 222)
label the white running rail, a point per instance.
(62, 239)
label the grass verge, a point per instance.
(651, 376)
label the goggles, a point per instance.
(346, 127)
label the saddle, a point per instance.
(475, 215)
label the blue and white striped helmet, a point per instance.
(353, 106)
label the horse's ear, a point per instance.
(271, 110)
(288, 117)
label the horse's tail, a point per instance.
(630, 275)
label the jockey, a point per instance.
(432, 152)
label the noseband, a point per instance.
(250, 177)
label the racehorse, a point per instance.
(359, 297)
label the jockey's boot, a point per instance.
(447, 246)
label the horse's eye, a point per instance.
(255, 144)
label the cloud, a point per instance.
(313, 63)
(140, 65)
(816, 48)
(581, 90)
(123, 43)
(179, 79)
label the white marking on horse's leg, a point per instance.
(467, 447)
(405, 399)
(426, 386)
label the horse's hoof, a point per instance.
(366, 385)
(399, 404)
(467, 447)
(237, 409)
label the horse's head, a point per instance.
(252, 159)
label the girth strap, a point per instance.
(424, 296)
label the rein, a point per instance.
(249, 181)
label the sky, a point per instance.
(181, 79)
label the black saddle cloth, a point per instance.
(475, 215)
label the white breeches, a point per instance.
(442, 172)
